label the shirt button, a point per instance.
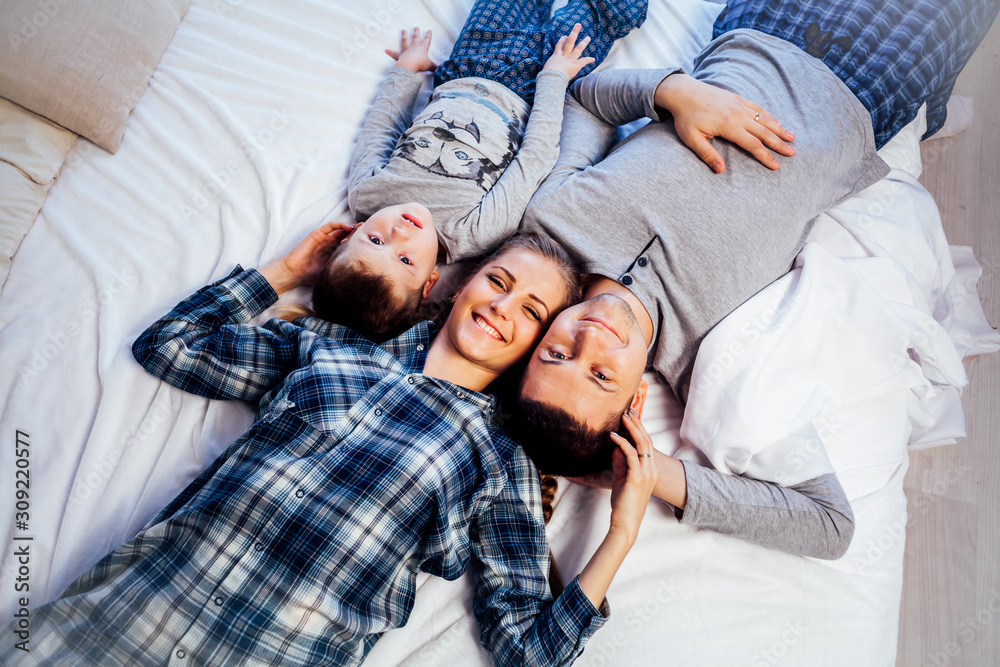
(626, 280)
(410, 380)
(218, 601)
(378, 412)
(180, 653)
(461, 395)
(642, 262)
(300, 493)
(420, 348)
(258, 547)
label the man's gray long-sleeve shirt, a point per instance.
(693, 245)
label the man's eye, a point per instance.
(376, 240)
(406, 260)
(600, 376)
(461, 155)
(557, 355)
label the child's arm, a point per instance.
(500, 211)
(584, 141)
(520, 623)
(391, 112)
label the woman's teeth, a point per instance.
(481, 323)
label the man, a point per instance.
(673, 249)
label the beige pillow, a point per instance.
(84, 65)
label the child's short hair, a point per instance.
(353, 294)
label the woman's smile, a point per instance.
(503, 309)
(487, 327)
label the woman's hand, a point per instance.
(413, 52)
(305, 262)
(635, 476)
(702, 111)
(567, 55)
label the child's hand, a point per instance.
(566, 57)
(304, 263)
(414, 52)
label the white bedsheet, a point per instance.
(237, 150)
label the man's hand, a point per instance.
(413, 52)
(304, 263)
(702, 111)
(567, 55)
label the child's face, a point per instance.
(399, 242)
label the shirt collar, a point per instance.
(485, 403)
(411, 348)
(427, 331)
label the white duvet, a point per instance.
(240, 147)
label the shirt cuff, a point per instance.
(693, 477)
(575, 614)
(656, 77)
(551, 79)
(405, 77)
(247, 292)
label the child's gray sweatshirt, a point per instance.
(474, 156)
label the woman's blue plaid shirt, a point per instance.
(301, 543)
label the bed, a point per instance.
(240, 145)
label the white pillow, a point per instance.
(21, 201)
(903, 150)
(33, 144)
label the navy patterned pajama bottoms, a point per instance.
(508, 41)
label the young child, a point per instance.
(370, 277)
(474, 156)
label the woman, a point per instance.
(367, 463)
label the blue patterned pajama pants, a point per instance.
(508, 41)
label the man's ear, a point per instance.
(429, 285)
(639, 400)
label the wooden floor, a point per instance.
(951, 584)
